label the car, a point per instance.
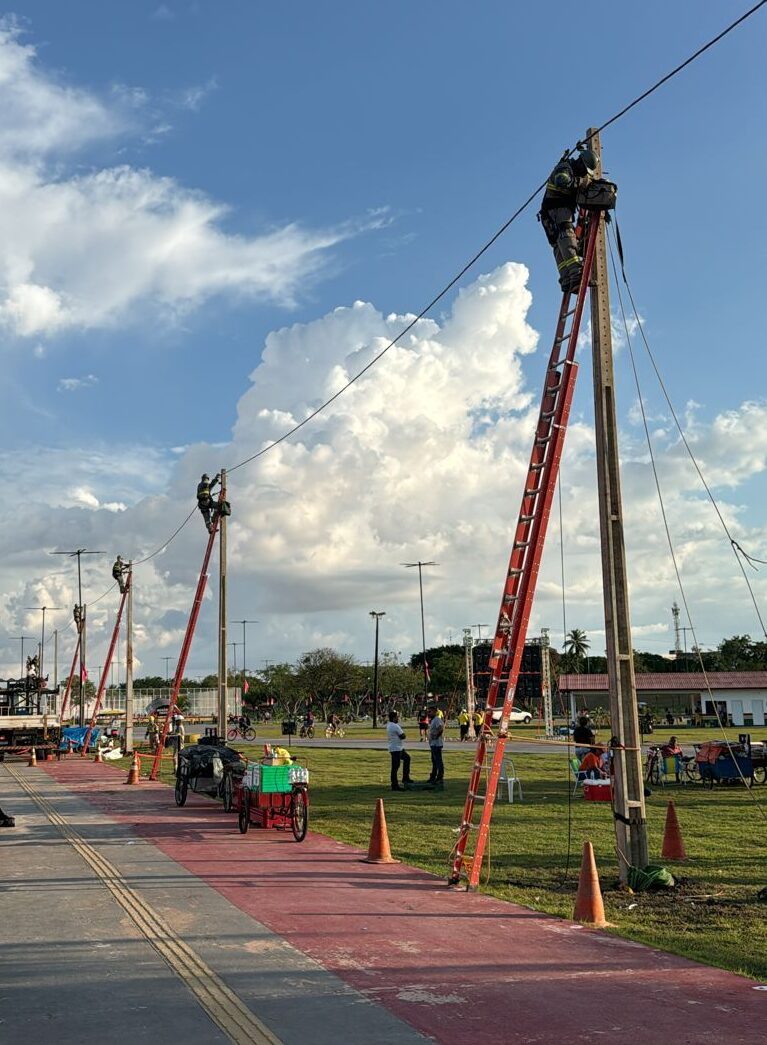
(515, 715)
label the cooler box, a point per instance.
(597, 790)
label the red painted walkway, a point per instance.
(459, 967)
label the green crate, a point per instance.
(275, 779)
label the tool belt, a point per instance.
(598, 195)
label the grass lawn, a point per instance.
(713, 916)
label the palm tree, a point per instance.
(577, 646)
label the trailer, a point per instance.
(29, 717)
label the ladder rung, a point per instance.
(533, 491)
(526, 518)
(570, 313)
(521, 544)
(541, 440)
(515, 571)
(537, 466)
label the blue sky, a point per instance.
(379, 145)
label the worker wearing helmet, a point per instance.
(558, 210)
(118, 572)
(205, 501)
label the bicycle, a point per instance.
(307, 732)
(337, 732)
(247, 733)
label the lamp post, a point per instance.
(420, 565)
(167, 662)
(79, 552)
(376, 615)
(244, 649)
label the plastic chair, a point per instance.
(579, 775)
(510, 779)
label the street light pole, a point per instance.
(167, 662)
(244, 649)
(22, 639)
(420, 565)
(42, 638)
(376, 616)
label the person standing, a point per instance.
(152, 732)
(436, 743)
(463, 723)
(423, 723)
(583, 737)
(205, 501)
(478, 720)
(396, 735)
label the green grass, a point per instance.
(713, 916)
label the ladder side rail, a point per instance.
(533, 481)
(71, 675)
(511, 636)
(510, 628)
(185, 648)
(104, 673)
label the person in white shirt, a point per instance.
(395, 735)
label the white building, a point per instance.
(741, 696)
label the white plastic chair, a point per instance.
(510, 779)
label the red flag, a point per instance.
(83, 674)
(428, 673)
(245, 686)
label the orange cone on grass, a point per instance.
(673, 846)
(135, 770)
(379, 851)
(589, 907)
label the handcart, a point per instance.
(720, 762)
(274, 796)
(208, 769)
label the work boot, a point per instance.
(396, 787)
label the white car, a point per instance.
(515, 715)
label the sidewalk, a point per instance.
(453, 966)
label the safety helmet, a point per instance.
(589, 160)
(204, 478)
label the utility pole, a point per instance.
(420, 565)
(222, 618)
(244, 648)
(479, 628)
(129, 664)
(55, 657)
(376, 616)
(41, 654)
(79, 552)
(628, 798)
(468, 646)
(167, 662)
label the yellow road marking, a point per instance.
(221, 1004)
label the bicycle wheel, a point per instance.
(227, 792)
(310, 732)
(299, 815)
(340, 733)
(691, 772)
(760, 775)
(328, 733)
(243, 820)
(182, 790)
(653, 772)
(231, 734)
(250, 733)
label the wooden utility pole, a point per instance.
(55, 658)
(129, 664)
(628, 786)
(468, 650)
(222, 618)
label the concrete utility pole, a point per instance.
(55, 657)
(83, 662)
(129, 664)
(222, 618)
(628, 798)
(468, 646)
(420, 565)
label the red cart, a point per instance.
(274, 796)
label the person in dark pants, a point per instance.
(436, 742)
(395, 735)
(583, 737)
(558, 210)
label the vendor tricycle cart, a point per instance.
(275, 796)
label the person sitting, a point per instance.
(591, 764)
(583, 737)
(671, 749)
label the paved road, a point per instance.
(318, 945)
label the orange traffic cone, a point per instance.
(589, 908)
(32, 757)
(70, 748)
(673, 846)
(99, 757)
(135, 770)
(378, 850)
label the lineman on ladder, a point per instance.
(205, 501)
(118, 572)
(558, 210)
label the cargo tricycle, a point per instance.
(274, 796)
